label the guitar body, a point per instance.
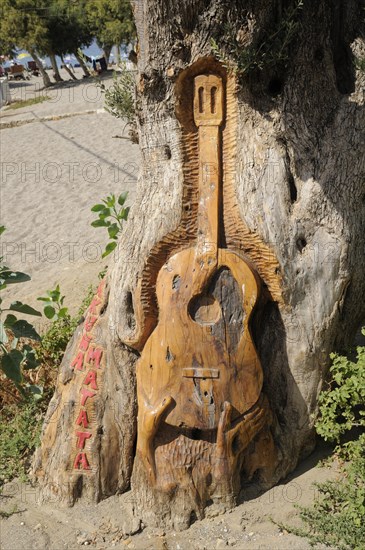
(183, 358)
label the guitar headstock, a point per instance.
(208, 100)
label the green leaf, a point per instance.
(124, 214)
(55, 295)
(10, 364)
(122, 198)
(100, 223)
(104, 213)
(62, 312)
(109, 248)
(24, 308)
(113, 230)
(2, 229)
(110, 201)
(49, 312)
(30, 360)
(37, 391)
(97, 207)
(13, 277)
(10, 320)
(44, 299)
(23, 329)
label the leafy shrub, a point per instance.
(20, 428)
(17, 336)
(109, 211)
(21, 422)
(337, 517)
(119, 99)
(56, 338)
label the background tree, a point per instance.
(24, 23)
(68, 29)
(294, 175)
(111, 21)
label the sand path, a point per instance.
(52, 172)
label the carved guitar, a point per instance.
(188, 375)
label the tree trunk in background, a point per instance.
(56, 72)
(293, 208)
(46, 79)
(68, 69)
(117, 49)
(82, 64)
(107, 51)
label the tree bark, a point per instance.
(107, 51)
(82, 64)
(292, 215)
(68, 69)
(46, 79)
(56, 72)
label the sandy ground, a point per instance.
(250, 526)
(52, 172)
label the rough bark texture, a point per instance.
(82, 63)
(46, 79)
(56, 72)
(295, 170)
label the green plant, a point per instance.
(107, 212)
(342, 405)
(273, 49)
(28, 102)
(119, 99)
(16, 353)
(57, 336)
(337, 517)
(20, 428)
(54, 309)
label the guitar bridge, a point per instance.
(200, 373)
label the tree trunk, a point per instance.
(240, 268)
(68, 69)
(82, 64)
(107, 51)
(117, 49)
(46, 79)
(56, 72)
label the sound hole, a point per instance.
(205, 310)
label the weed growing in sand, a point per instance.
(56, 338)
(337, 518)
(111, 214)
(27, 102)
(20, 429)
(53, 308)
(21, 420)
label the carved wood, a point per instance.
(199, 378)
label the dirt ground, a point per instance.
(251, 525)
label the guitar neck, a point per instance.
(208, 116)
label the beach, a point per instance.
(58, 159)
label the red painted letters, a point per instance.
(81, 460)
